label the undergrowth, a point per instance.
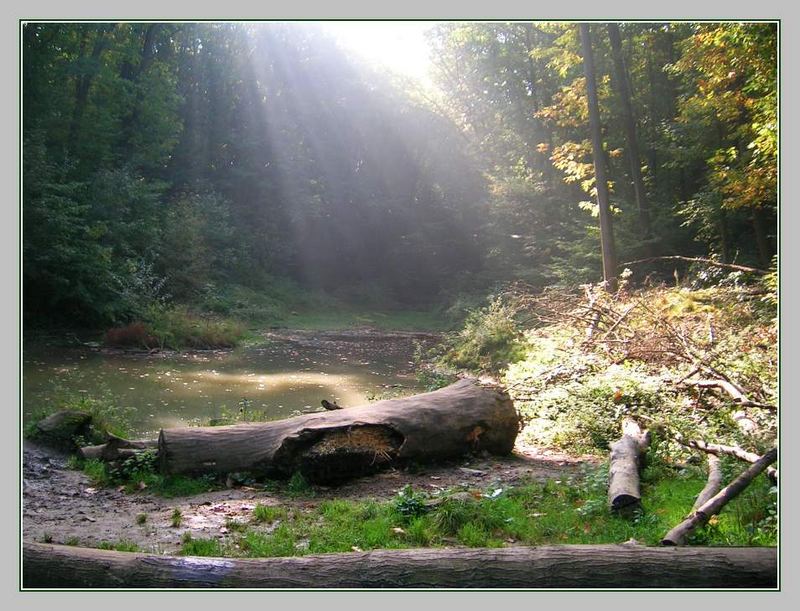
(570, 510)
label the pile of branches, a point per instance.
(691, 342)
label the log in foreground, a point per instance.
(624, 495)
(568, 566)
(333, 446)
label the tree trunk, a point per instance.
(83, 83)
(601, 182)
(714, 505)
(567, 566)
(634, 161)
(333, 446)
(623, 473)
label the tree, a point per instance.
(601, 183)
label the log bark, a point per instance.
(624, 495)
(568, 566)
(713, 484)
(334, 446)
(714, 505)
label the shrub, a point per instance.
(490, 339)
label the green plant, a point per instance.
(268, 513)
(176, 518)
(200, 547)
(141, 519)
(490, 339)
(123, 545)
(298, 486)
(409, 504)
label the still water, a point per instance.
(284, 376)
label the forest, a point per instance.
(565, 239)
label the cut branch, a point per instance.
(624, 495)
(713, 484)
(733, 266)
(719, 449)
(713, 506)
(734, 391)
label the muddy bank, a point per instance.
(61, 505)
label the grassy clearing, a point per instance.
(571, 510)
(347, 318)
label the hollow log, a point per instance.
(567, 566)
(627, 452)
(714, 505)
(329, 447)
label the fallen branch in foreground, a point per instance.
(563, 566)
(714, 505)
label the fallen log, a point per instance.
(713, 483)
(567, 566)
(623, 471)
(329, 447)
(714, 505)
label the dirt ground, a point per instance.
(61, 505)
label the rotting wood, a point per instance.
(624, 495)
(567, 566)
(714, 505)
(329, 447)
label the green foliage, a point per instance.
(409, 504)
(123, 545)
(176, 518)
(571, 510)
(298, 486)
(200, 547)
(267, 513)
(490, 339)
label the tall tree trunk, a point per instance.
(623, 90)
(762, 241)
(82, 84)
(601, 182)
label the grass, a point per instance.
(346, 318)
(571, 510)
(167, 486)
(123, 545)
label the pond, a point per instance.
(288, 374)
